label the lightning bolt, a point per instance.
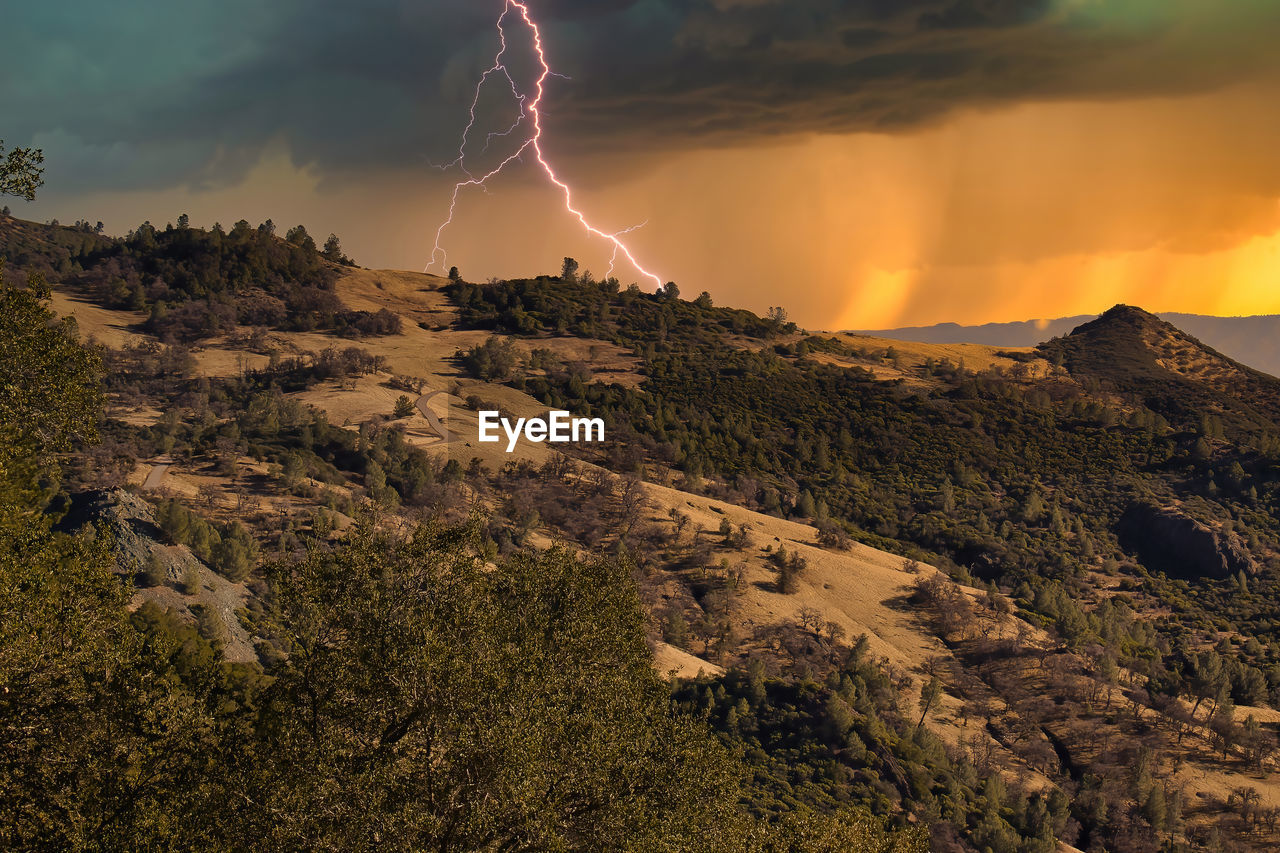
(613, 259)
(530, 107)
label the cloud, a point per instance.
(737, 71)
(145, 94)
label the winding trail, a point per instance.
(156, 476)
(432, 418)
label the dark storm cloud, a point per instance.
(142, 94)
(737, 69)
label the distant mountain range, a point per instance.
(1254, 341)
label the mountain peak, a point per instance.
(1120, 310)
(1129, 349)
(1121, 316)
(1126, 339)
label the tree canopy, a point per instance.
(21, 171)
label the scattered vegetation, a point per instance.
(195, 284)
(525, 690)
(431, 637)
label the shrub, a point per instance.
(155, 572)
(493, 361)
(190, 583)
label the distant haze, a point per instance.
(1254, 341)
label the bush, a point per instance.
(190, 583)
(155, 572)
(790, 565)
(208, 624)
(368, 323)
(493, 361)
(832, 535)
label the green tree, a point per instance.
(1033, 510)
(333, 250)
(233, 556)
(99, 729)
(404, 407)
(789, 566)
(494, 360)
(50, 393)
(208, 624)
(1206, 677)
(190, 583)
(99, 735)
(21, 171)
(299, 237)
(155, 572)
(846, 830)
(431, 703)
(675, 630)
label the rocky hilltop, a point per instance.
(137, 544)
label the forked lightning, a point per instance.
(530, 117)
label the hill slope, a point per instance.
(1132, 351)
(904, 569)
(1254, 341)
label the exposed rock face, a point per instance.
(135, 537)
(131, 524)
(1167, 540)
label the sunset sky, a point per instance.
(865, 164)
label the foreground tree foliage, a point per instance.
(50, 395)
(431, 702)
(111, 734)
(20, 171)
(428, 701)
(101, 743)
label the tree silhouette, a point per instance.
(21, 171)
(569, 270)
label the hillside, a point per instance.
(425, 350)
(1254, 341)
(903, 570)
(1135, 353)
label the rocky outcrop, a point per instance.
(1168, 540)
(130, 523)
(136, 540)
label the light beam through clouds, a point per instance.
(530, 108)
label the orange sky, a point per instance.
(1035, 210)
